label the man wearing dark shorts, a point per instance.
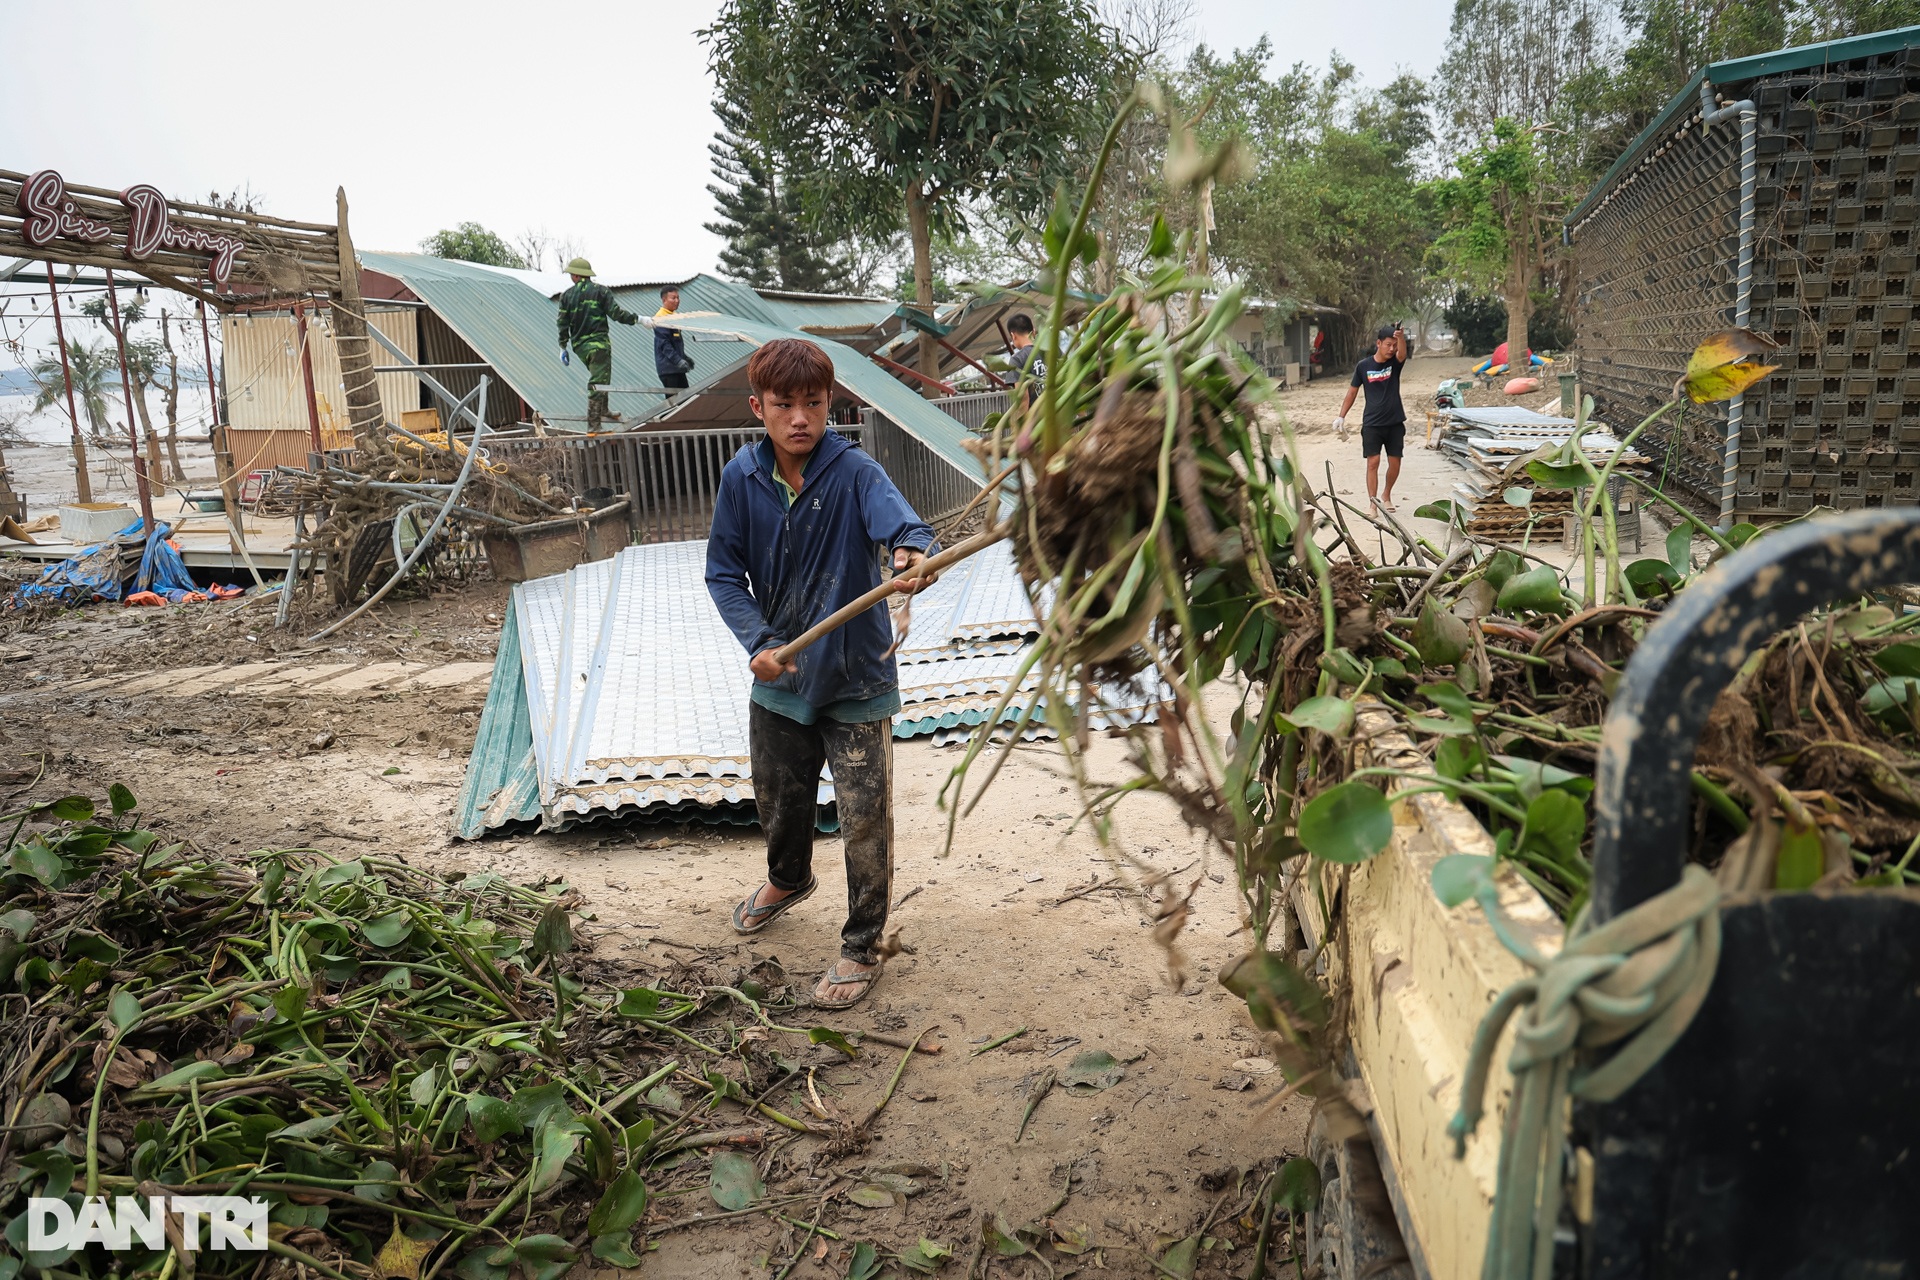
(1383, 425)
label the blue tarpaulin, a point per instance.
(108, 571)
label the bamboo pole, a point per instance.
(82, 479)
(350, 339)
(126, 387)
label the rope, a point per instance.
(1638, 978)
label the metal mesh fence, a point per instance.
(1838, 151)
(672, 477)
(1654, 267)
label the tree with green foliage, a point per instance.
(1521, 60)
(1815, 20)
(767, 246)
(93, 368)
(471, 242)
(884, 112)
(143, 368)
(1666, 42)
(1496, 233)
(1477, 319)
(1331, 210)
(1521, 101)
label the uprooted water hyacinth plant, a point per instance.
(1167, 536)
(421, 1075)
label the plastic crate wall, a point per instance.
(1837, 152)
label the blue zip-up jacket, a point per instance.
(669, 349)
(774, 571)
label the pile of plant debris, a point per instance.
(420, 1075)
(1165, 534)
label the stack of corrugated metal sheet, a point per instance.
(618, 690)
(1494, 444)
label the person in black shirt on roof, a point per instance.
(1383, 426)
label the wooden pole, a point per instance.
(847, 613)
(126, 387)
(82, 479)
(222, 447)
(351, 341)
(306, 372)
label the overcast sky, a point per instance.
(587, 118)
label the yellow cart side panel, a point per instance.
(1423, 976)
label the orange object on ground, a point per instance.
(1522, 386)
(147, 598)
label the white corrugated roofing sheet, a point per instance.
(637, 694)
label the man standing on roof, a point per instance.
(1384, 424)
(670, 358)
(1025, 358)
(584, 312)
(800, 527)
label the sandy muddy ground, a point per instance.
(102, 695)
(238, 735)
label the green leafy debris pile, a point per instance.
(420, 1075)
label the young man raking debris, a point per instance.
(799, 528)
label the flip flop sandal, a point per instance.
(748, 918)
(864, 979)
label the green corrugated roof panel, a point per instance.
(500, 785)
(1738, 71)
(864, 378)
(768, 306)
(514, 328)
(799, 310)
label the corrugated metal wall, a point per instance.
(444, 346)
(266, 390)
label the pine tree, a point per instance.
(767, 247)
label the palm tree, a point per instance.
(94, 371)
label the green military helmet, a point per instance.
(580, 267)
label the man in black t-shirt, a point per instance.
(1384, 423)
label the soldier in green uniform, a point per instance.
(584, 312)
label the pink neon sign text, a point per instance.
(49, 215)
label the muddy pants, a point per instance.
(787, 756)
(598, 357)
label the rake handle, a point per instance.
(847, 613)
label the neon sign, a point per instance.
(50, 215)
(153, 230)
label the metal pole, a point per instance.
(217, 436)
(306, 372)
(1749, 116)
(133, 436)
(206, 347)
(433, 530)
(80, 475)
